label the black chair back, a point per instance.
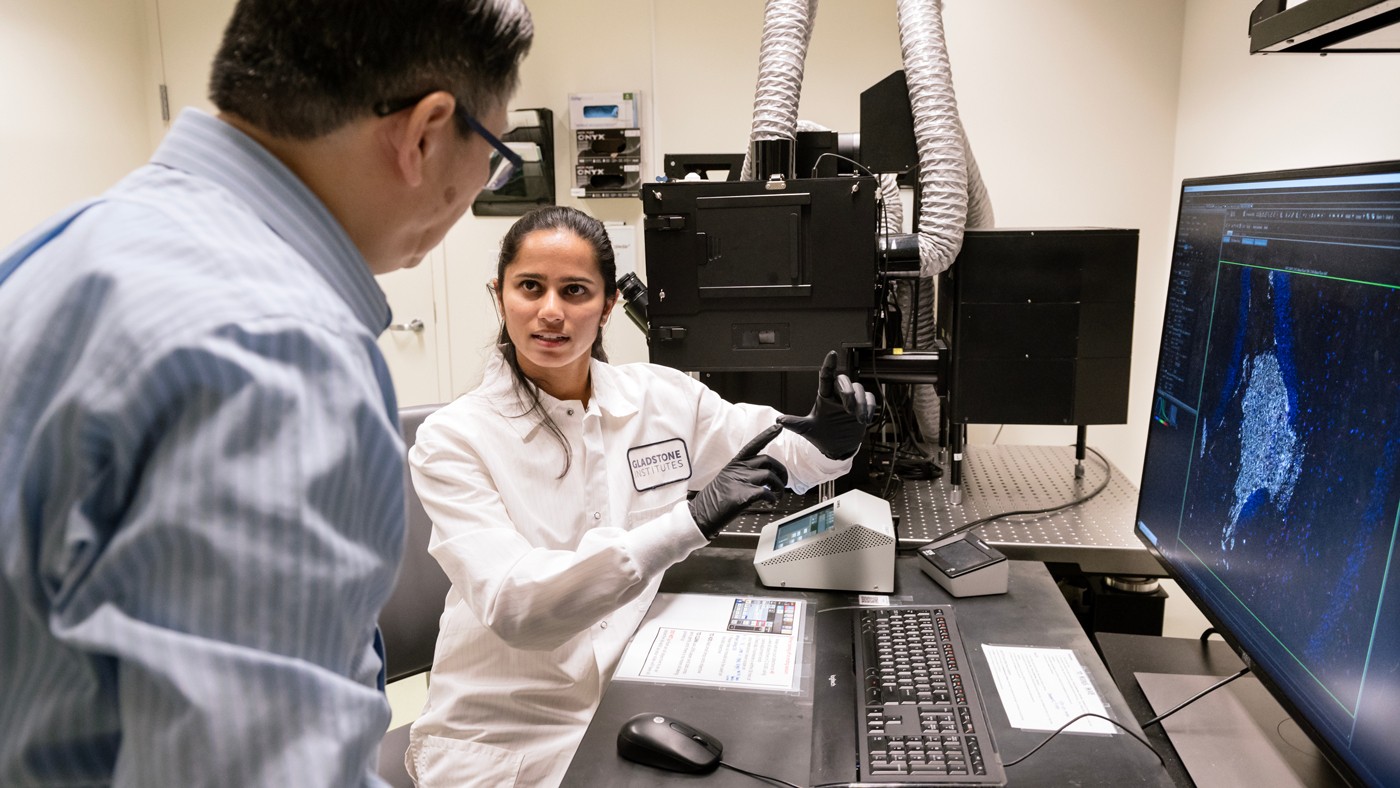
(409, 620)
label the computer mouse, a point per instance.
(667, 743)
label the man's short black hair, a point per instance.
(303, 68)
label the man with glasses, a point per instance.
(504, 161)
(202, 511)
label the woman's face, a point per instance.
(554, 304)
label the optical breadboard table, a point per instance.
(1097, 534)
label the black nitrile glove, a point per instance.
(747, 477)
(840, 415)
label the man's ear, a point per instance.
(415, 134)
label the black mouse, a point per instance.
(666, 743)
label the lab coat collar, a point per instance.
(610, 391)
(499, 386)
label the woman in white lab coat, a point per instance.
(557, 490)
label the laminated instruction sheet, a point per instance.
(718, 640)
(1043, 688)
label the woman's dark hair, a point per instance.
(302, 68)
(554, 217)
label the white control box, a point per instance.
(844, 544)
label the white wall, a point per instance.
(75, 99)
(1071, 109)
(1081, 112)
(188, 33)
(1242, 113)
(695, 65)
(579, 47)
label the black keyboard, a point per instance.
(919, 718)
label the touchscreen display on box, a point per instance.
(804, 527)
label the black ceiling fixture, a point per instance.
(1325, 26)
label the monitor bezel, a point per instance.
(1334, 757)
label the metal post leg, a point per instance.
(943, 430)
(956, 438)
(1081, 433)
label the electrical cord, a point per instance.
(894, 413)
(757, 776)
(1059, 730)
(902, 456)
(1212, 688)
(1154, 721)
(1043, 742)
(818, 162)
(1008, 764)
(1108, 474)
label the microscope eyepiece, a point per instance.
(634, 296)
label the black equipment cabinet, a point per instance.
(1039, 326)
(749, 276)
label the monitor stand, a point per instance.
(1237, 735)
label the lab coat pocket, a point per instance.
(443, 762)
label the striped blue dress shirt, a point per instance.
(201, 483)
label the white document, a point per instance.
(716, 640)
(1043, 688)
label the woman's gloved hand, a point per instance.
(747, 478)
(840, 415)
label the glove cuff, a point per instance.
(700, 526)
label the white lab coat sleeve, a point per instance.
(723, 427)
(531, 597)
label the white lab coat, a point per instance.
(550, 577)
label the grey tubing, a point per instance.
(787, 29)
(894, 206)
(945, 178)
(954, 194)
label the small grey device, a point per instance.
(965, 566)
(844, 544)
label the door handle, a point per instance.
(415, 325)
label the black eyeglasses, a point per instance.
(504, 161)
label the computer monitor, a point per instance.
(1271, 483)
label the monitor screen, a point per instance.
(1272, 473)
(805, 526)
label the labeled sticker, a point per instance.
(658, 464)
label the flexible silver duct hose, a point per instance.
(787, 28)
(954, 195)
(937, 133)
(894, 206)
(919, 322)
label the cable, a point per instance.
(1059, 730)
(757, 776)
(818, 162)
(1108, 474)
(1154, 721)
(1212, 688)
